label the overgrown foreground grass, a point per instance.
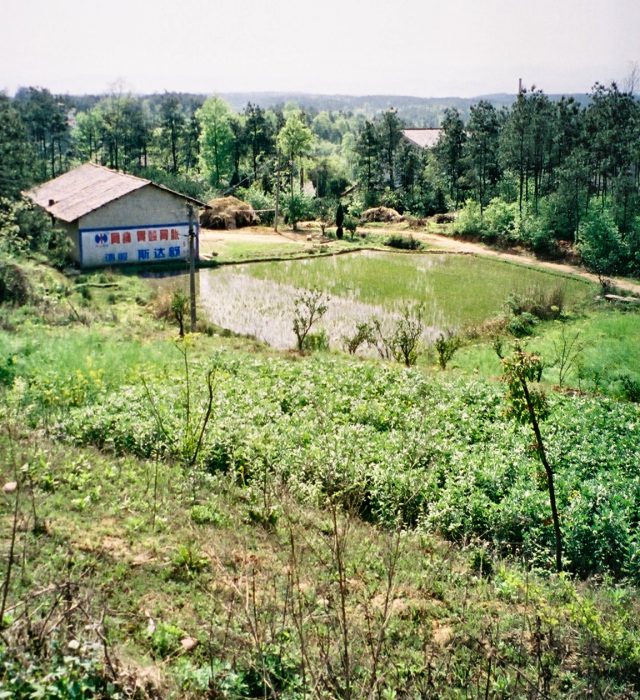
(335, 529)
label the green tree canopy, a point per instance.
(216, 141)
(294, 141)
(15, 151)
(45, 118)
(482, 148)
(449, 153)
(172, 124)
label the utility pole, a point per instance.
(275, 218)
(192, 268)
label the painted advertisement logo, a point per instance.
(136, 244)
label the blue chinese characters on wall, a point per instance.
(134, 244)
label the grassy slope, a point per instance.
(241, 585)
(604, 345)
(248, 571)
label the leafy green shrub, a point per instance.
(469, 219)
(630, 387)
(15, 288)
(187, 563)
(215, 677)
(56, 672)
(218, 457)
(260, 201)
(391, 199)
(446, 346)
(59, 249)
(540, 240)
(8, 370)
(265, 517)
(309, 308)
(363, 335)
(499, 222)
(597, 533)
(633, 243)
(405, 344)
(544, 305)
(24, 228)
(601, 246)
(522, 325)
(351, 224)
(317, 341)
(180, 308)
(297, 207)
(403, 242)
(205, 514)
(480, 561)
(165, 639)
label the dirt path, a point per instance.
(246, 235)
(446, 243)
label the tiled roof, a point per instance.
(87, 188)
(83, 189)
(424, 138)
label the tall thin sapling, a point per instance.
(528, 404)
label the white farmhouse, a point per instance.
(113, 218)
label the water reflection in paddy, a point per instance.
(455, 291)
(235, 299)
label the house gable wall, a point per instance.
(145, 226)
(144, 207)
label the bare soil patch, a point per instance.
(253, 234)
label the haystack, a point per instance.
(384, 214)
(228, 213)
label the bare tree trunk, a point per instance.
(549, 472)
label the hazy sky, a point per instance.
(408, 47)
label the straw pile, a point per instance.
(228, 213)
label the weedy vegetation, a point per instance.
(207, 517)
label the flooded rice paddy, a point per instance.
(264, 308)
(454, 290)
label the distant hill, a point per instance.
(416, 111)
(372, 103)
